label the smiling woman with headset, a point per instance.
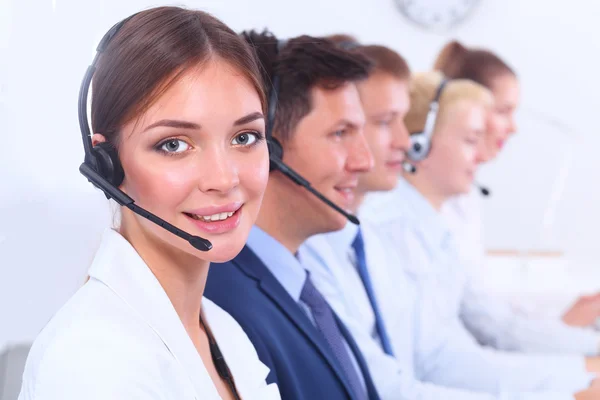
(178, 126)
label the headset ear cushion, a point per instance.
(275, 151)
(419, 147)
(108, 164)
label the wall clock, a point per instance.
(437, 15)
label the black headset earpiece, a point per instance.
(102, 166)
(275, 152)
(107, 163)
(274, 146)
(420, 142)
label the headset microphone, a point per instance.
(276, 150)
(484, 190)
(299, 180)
(408, 167)
(102, 166)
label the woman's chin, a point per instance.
(222, 255)
(223, 250)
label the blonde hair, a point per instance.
(423, 87)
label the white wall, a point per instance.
(50, 218)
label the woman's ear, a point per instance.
(98, 138)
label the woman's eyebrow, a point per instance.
(249, 118)
(171, 123)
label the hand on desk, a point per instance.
(584, 312)
(592, 364)
(593, 393)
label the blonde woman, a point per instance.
(410, 227)
(492, 321)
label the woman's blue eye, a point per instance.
(245, 139)
(174, 146)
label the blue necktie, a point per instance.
(327, 325)
(361, 265)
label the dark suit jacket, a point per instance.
(301, 363)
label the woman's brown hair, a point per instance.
(456, 61)
(150, 52)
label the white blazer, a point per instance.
(119, 337)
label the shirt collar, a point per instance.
(284, 265)
(407, 204)
(342, 240)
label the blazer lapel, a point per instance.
(118, 266)
(253, 266)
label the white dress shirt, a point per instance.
(445, 352)
(463, 216)
(119, 337)
(330, 260)
(491, 320)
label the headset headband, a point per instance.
(434, 107)
(85, 87)
(274, 93)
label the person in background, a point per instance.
(355, 270)
(318, 121)
(492, 321)
(178, 103)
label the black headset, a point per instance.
(276, 149)
(420, 142)
(102, 166)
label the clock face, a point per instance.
(438, 15)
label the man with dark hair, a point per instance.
(318, 122)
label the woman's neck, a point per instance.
(427, 190)
(181, 275)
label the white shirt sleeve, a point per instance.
(447, 354)
(455, 359)
(494, 322)
(394, 377)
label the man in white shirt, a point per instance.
(405, 345)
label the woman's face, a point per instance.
(197, 158)
(501, 122)
(451, 165)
